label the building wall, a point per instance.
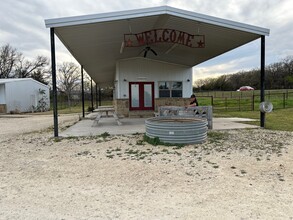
(22, 95)
(143, 69)
(2, 94)
(122, 106)
(2, 108)
(2, 99)
(116, 83)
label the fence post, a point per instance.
(212, 100)
(252, 103)
(239, 109)
(284, 100)
(226, 103)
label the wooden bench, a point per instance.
(196, 111)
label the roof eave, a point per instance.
(113, 16)
(103, 17)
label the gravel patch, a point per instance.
(235, 174)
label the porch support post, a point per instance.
(97, 104)
(82, 91)
(53, 63)
(100, 103)
(262, 80)
(92, 95)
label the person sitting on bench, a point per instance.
(193, 101)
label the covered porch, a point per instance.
(147, 55)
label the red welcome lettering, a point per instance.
(188, 40)
(181, 38)
(164, 36)
(148, 38)
(165, 32)
(173, 36)
(140, 39)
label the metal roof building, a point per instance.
(161, 34)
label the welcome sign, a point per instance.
(164, 36)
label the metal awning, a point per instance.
(96, 40)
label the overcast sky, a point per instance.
(22, 26)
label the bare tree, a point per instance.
(68, 78)
(8, 58)
(25, 68)
(273, 73)
(87, 82)
(42, 75)
(288, 67)
(199, 83)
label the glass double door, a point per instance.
(141, 95)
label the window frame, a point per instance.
(170, 89)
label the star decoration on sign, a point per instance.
(201, 44)
(128, 43)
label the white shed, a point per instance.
(23, 95)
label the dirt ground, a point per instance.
(236, 174)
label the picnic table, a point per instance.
(106, 109)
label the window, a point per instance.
(170, 89)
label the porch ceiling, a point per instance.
(95, 40)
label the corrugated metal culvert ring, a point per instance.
(177, 130)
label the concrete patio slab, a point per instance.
(137, 125)
(85, 128)
(232, 123)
